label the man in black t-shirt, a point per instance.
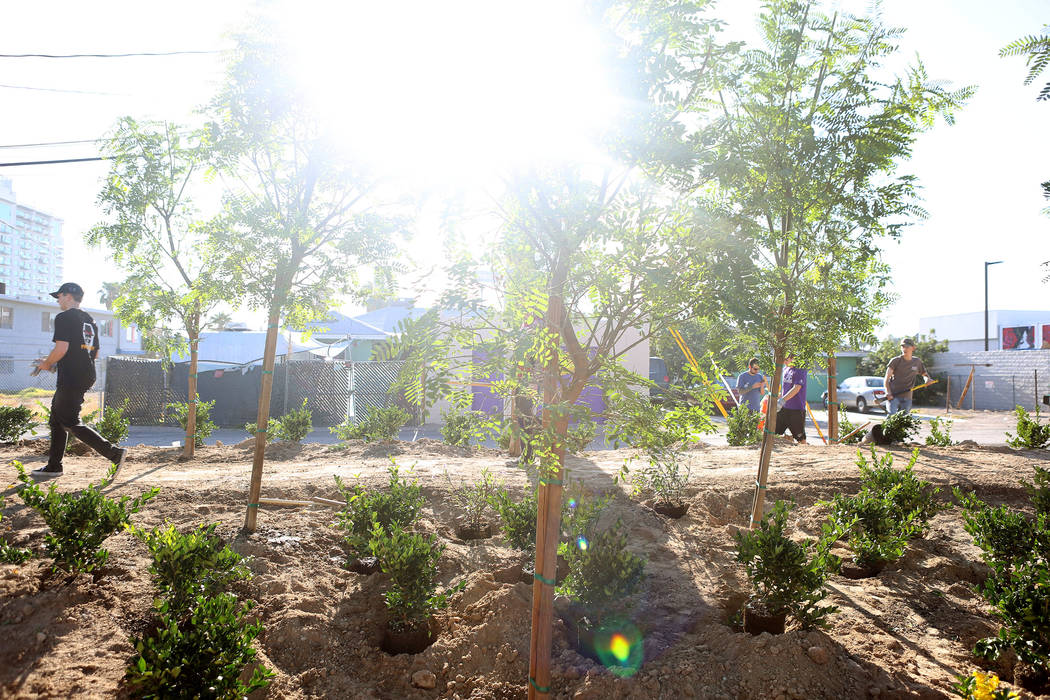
(76, 346)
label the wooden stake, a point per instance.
(191, 413)
(548, 512)
(833, 399)
(855, 431)
(948, 397)
(766, 452)
(966, 388)
(315, 500)
(265, 390)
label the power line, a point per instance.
(48, 143)
(13, 165)
(79, 92)
(104, 55)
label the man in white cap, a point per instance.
(900, 377)
(76, 346)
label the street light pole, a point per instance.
(986, 264)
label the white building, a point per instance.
(30, 248)
(1007, 330)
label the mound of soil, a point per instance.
(904, 633)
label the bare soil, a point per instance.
(903, 634)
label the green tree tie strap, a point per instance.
(551, 482)
(272, 325)
(548, 581)
(267, 371)
(759, 485)
(253, 505)
(539, 688)
(768, 431)
(260, 432)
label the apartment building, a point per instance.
(31, 248)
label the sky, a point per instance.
(980, 177)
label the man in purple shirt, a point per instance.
(792, 413)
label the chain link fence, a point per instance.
(20, 388)
(999, 392)
(334, 392)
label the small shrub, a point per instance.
(185, 566)
(602, 574)
(1039, 490)
(379, 424)
(845, 430)
(462, 427)
(580, 511)
(80, 521)
(785, 576)
(16, 421)
(295, 425)
(199, 654)
(398, 505)
(578, 436)
(476, 498)
(112, 424)
(1031, 434)
(202, 424)
(900, 426)
(517, 518)
(10, 554)
(410, 560)
(875, 531)
(743, 426)
(940, 433)
(1006, 537)
(982, 686)
(1021, 600)
(665, 477)
(912, 497)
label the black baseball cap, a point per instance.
(70, 288)
(908, 341)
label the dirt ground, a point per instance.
(903, 634)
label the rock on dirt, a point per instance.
(818, 654)
(424, 679)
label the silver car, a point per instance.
(861, 393)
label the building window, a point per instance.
(105, 328)
(7, 317)
(129, 334)
(47, 322)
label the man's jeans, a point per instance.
(65, 418)
(899, 403)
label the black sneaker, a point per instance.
(118, 459)
(47, 472)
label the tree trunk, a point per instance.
(265, 390)
(548, 514)
(191, 414)
(833, 400)
(766, 452)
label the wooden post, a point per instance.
(966, 387)
(265, 390)
(191, 398)
(287, 370)
(833, 400)
(1036, 386)
(548, 515)
(766, 453)
(948, 397)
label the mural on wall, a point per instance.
(1018, 337)
(1046, 337)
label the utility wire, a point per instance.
(53, 162)
(104, 55)
(79, 92)
(48, 143)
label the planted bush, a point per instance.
(1021, 600)
(665, 477)
(410, 560)
(475, 499)
(846, 430)
(1007, 538)
(940, 433)
(203, 426)
(1031, 434)
(200, 653)
(399, 505)
(900, 426)
(517, 519)
(872, 524)
(912, 497)
(602, 574)
(743, 426)
(185, 566)
(788, 577)
(461, 426)
(379, 424)
(1039, 490)
(10, 554)
(80, 521)
(16, 421)
(295, 425)
(112, 424)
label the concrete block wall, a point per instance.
(1011, 379)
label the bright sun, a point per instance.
(449, 91)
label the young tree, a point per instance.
(805, 156)
(301, 217)
(174, 269)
